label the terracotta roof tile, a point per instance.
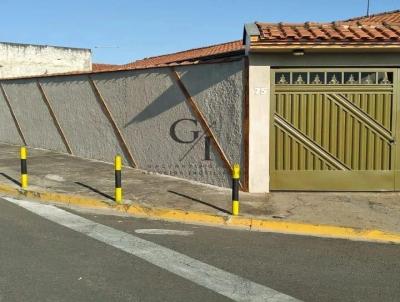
(358, 32)
(391, 17)
(304, 32)
(318, 33)
(396, 28)
(388, 33)
(339, 32)
(190, 55)
(332, 31)
(288, 31)
(102, 67)
(378, 28)
(348, 34)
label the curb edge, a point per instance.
(242, 222)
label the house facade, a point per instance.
(310, 106)
(324, 105)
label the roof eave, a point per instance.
(325, 46)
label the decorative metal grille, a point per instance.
(334, 78)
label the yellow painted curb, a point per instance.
(172, 214)
(324, 231)
(249, 223)
(68, 199)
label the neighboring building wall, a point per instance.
(260, 98)
(148, 107)
(20, 60)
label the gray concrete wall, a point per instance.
(145, 104)
(20, 60)
(33, 115)
(8, 131)
(85, 125)
(219, 96)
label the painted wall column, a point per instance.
(259, 124)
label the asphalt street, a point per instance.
(43, 260)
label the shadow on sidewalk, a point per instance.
(94, 190)
(200, 201)
(10, 179)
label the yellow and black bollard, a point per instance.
(118, 179)
(24, 168)
(235, 189)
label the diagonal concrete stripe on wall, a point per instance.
(210, 277)
(53, 116)
(12, 114)
(203, 122)
(117, 131)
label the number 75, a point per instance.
(260, 91)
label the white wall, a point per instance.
(259, 112)
(18, 60)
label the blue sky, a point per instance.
(121, 31)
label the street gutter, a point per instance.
(240, 222)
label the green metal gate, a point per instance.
(333, 129)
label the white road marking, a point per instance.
(222, 282)
(163, 232)
(55, 177)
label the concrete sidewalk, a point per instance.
(60, 173)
